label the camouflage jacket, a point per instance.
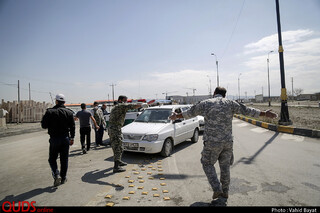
(218, 113)
(118, 114)
(98, 116)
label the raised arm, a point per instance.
(94, 121)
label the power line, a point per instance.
(22, 88)
(7, 84)
(234, 29)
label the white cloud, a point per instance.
(301, 61)
(301, 58)
(271, 42)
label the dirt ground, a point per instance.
(303, 116)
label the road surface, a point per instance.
(270, 169)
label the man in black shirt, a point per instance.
(60, 122)
(85, 131)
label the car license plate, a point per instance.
(131, 145)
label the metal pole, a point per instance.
(51, 97)
(210, 91)
(284, 115)
(18, 101)
(292, 88)
(217, 68)
(217, 72)
(268, 82)
(113, 85)
(269, 78)
(29, 93)
(239, 86)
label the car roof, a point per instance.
(169, 106)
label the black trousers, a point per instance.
(99, 135)
(85, 132)
(59, 145)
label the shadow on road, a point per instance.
(29, 195)
(137, 158)
(182, 146)
(177, 176)
(220, 202)
(94, 177)
(93, 147)
(249, 160)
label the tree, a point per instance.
(297, 91)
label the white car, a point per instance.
(153, 132)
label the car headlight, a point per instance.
(150, 138)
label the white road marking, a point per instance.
(259, 130)
(242, 125)
(292, 137)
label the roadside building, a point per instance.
(187, 99)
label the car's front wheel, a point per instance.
(195, 136)
(167, 148)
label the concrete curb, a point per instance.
(279, 128)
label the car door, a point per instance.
(180, 128)
(178, 131)
(189, 126)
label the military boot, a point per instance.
(122, 163)
(216, 195)
(117, 167)
(225, 195)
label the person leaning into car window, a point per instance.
(116, 121)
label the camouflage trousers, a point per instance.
(116, 143)
(213, 152)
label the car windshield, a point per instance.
(154, 116)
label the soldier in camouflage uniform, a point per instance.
(98, 116)
(218, 141)
(116, 121)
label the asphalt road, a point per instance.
(270, 169)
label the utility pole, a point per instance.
(51, 97)
(113, 85)
(210, 91)
(18, 101)
(292, 88)
(29, 93)
(217, 68)
(239, 87)
(269, 78)
(284, 114)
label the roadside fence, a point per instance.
(25, 112)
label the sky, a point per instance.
(148, 48)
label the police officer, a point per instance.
(116, 121)
(61, 128)
(218, 141)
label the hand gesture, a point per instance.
(173, 116)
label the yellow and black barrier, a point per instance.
(279, 128)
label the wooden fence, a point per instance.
(30, 111)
